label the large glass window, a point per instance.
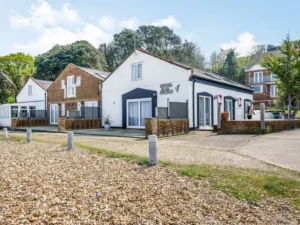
(205, 120)
(70, 87)
(14, 111)
(258, 88)
(137, 111)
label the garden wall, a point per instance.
(166, 127)
(15, 122)
(77, 124)
(254, 126)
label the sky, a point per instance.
(35, 26)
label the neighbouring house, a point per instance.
(75, 94)
(31, 103)
(262, 80)
(145, 86)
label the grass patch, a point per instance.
(127, 157)
(250, 184)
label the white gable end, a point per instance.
(31, 92)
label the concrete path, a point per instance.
(281, 149)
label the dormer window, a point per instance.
(258, 77)
(136, 71)
(70, 87)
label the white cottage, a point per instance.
(31, 102)
(145, 85)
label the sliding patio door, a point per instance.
(205, 120)
(53, 113)
(228, 107)
(137, 111)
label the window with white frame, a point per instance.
(78, 81)
(273, 77)
(71, 87)
(63, 109)
(258, 77)
(273, 91)
(91, 104)
(62, 84)
(258, 88)
(136, 71)
(29, 90)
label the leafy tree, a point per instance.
(230, 66)
(15, 68)
(217, 60)
(4, 90)
(258, 49)
(161, 41)
(50, 64)
(287, 69)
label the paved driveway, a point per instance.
(281, 149)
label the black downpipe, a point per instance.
(46, 110)
(101, 105)
(194, 81)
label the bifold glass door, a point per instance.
(137, 111)
(54, 114)
(228, 107)
(205, 112)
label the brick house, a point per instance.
(263, 81)
(75, 88)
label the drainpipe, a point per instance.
(100, 86)
(45, 105)
(194, 103)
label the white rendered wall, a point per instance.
(199, 87)
(38, 93)
(155, 72)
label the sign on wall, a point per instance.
(166, 88)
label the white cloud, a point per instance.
(42, 15)
(131, 23)
(59, 35)
(107, 23)
(169, 22)
(243, 45)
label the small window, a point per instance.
(258, 88)
(258, 77)
(78, 81)
(273, 77)
(63, 109)
(136, 72)
(29, 90)
(273, 91)
(62, 84)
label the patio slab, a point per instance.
(113, 132)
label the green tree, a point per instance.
(161, 41)
(16, 68)
(258, 49)
(231, 66)
(4, 90)
(287, 69)
(50, 64)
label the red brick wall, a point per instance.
(166, 127)
(253, 126)
(77, 124)
(87, 91)
(29, 122)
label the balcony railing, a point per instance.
(266, 78)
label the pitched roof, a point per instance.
(219, 79)
(45, 84)
(257, 58)
(203, 74)
(94, 72)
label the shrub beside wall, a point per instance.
(77, 124)
(166, 127)
(15, 122)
